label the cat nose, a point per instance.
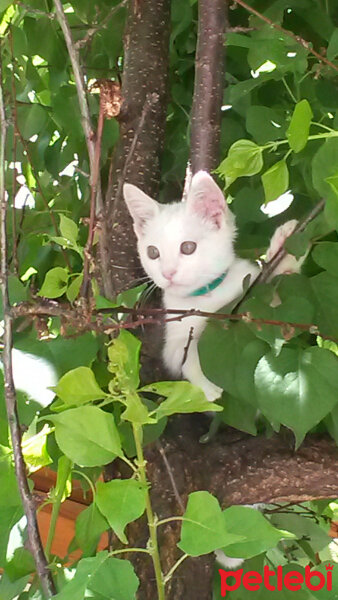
(169, 274)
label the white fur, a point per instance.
(204, 219)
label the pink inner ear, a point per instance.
(208, 207)
(206, 198)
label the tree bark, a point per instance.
(144, 90)
(209, 85)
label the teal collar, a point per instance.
(210, 286)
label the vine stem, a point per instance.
(64, 470)
(155, 555)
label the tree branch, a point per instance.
(10, 394)
(296, 38)
(209, 83)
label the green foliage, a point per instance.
(279, 133)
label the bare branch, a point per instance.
(10, 394)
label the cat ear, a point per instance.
(141, 207)
(206, 199)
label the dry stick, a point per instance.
(10, 394)
(296, 38)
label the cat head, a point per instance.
(184, 245)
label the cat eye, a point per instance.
(188, 247)
(153, 252)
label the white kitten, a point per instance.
(187, 249)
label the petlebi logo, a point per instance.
(291, 580)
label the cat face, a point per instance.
(185, 245)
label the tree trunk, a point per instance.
(142, 123)
(209, 86)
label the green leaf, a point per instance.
(324, 167)
(240, 414)
(89, 526)
(55, 283)
(275, 181)
(79, 386)
(87, 435)
(331, 208)
(298, 130)
(325, 254)
(288, 387)
(325, 288)
(258, 532)
(203, 527)
(182, 397)
(302, 527)
(106, 577)
(17, 292)
(35, 451)
(123, 354)
(73, 289)
(220, 351)
(136, 411)
(114, 580)
(244, 160)
(31, 120)
(292, 310)
(69, 229)
(12, 589)
(263, 123)
(121, 501)
(20, 564)
(332, 49)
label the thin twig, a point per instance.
(93, 202)
(268, 268)
(171, 476)
(103, 24)
(9, 389)
(35, 11)
(297, 38)
(187, 346)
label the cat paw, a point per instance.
(212, 391)
(279, 237)
(289, 264)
